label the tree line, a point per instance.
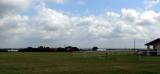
(47, 49)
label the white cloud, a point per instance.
(112, 14)
(57, 1)
(130, 24)
(52, 25)
(151, 3)
(12, 27)
(81, 2)
(129, 15)
(12, 6)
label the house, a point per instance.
(155, 44)
(153, 47)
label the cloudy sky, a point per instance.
(81, 23)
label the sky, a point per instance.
(81, 23)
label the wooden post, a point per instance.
(154, 47)
(148, 47)
(155, 50)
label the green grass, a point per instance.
(77, 63)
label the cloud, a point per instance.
(13, 27)
(81, 2)
(129, 24)
(151, 3)
(51, 23)
(49, 26)
(12, 6)
(57, 1)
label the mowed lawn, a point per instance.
(77, 63)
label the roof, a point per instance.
(153, 42)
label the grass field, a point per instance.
(77, 63)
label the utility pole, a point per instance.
(134, 44)
(64, 45)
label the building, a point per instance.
(153, 47)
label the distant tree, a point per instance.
(71, 49)
(60, 49)
(40, 47)
(68, 48)
(47, 47)
(3, 50)
(76, 49)
(95, 48)
(29, 47)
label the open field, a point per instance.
(77, 63)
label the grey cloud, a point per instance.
(13, 6)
